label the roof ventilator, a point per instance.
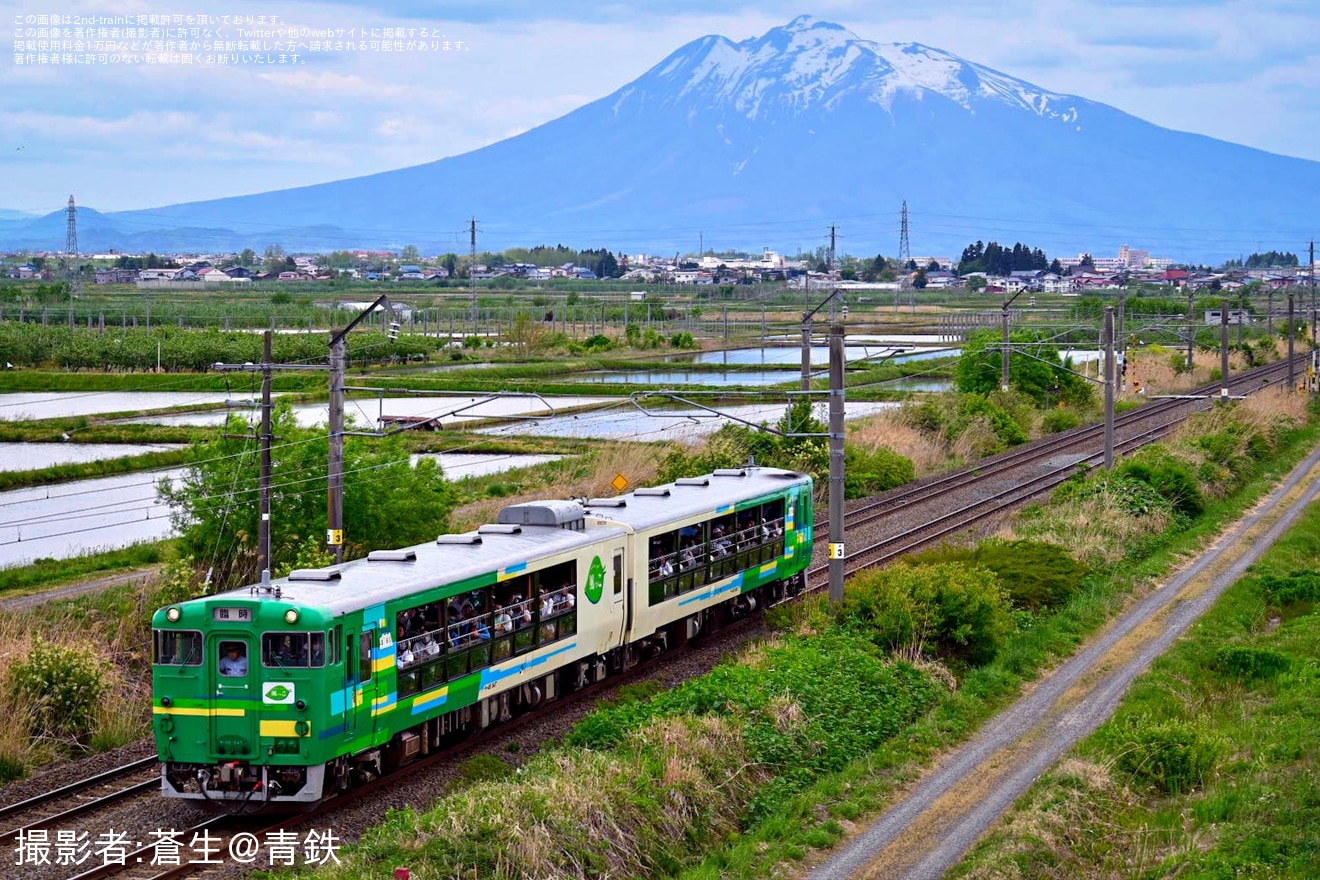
(464, 538)
(657, 491)
(392, 556)
(692, 481)
(332, 573)
(499, 529)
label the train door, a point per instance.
(351, 673)
(234, 681)
(617, 583)
(367, 683)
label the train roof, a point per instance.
(657, 506)
(387, 575)
(524, 532)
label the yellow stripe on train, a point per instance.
(206, 713)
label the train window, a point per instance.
(618, 574)
(233, 659)
(364, 657)
(178, 647)
(290, 650)
(336, 636)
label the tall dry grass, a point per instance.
(1097, 531)
(890, 429)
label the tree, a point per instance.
(976, 282)
(273, 255)
(387, 502)
(1039, 377)
(1056, 267)
(411, 255)
(247, 257)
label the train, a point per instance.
(281, 694)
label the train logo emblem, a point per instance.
(595, 581)
(277, 693)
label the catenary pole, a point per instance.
(1109, 387)
(837, 479)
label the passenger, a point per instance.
(666, 567)
(318, 652)
(234, 663)
(522, 613)
(547, 604)
(503, 622)
(687, 560)
(478, 631)
(406, 657)
(430, 647)
(567, 598)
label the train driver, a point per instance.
(234, 663)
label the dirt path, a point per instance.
(22, 603)
(948, 810)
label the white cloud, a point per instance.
(1237, 69)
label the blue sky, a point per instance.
(121, 137)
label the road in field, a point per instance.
(933, 827)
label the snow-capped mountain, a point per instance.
(768, 141)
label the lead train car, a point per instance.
(288, 692)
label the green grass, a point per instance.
(1228, 714)
(49, 573)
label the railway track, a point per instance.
(78, 799)
(210, 845)
(919, 515)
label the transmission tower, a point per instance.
(904, 246)
(71, 256)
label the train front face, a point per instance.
(239, 691)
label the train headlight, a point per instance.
(173, 615)
(291, 616)
(302, 728)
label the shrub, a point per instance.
(1248, 662)
(1033, 574)
(62, 685)
(1172, 756)
(951, 610)
(1061, 419)
(1171, 477)
(1289, 589)
(873, 470)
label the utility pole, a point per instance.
(1004, 352)
(1311, 271)
(334, 512)
(832, 234)
(1191, 330)
(266, 438)
(806, 334)
(472, 272)
(263, 534)
(1223, 350)
(1292, 374)
(837, 480)
(334, 509)
(1109, 387)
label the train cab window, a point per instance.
(178, 647)
(292, 650)
(233, 659)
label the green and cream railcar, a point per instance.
(288, 692)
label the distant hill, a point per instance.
(768, 141)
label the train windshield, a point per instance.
(290, 650)
(178, 647)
